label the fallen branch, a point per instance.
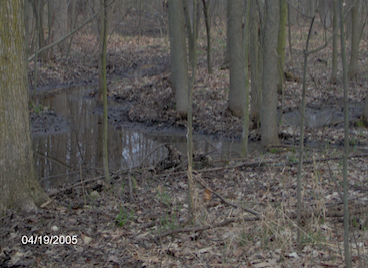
(225, 201)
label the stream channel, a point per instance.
(75, 150)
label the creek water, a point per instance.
(75, 151)
(65, 156)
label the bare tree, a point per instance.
(334, 44)
(256, 92)
(346, 142)
(269, 124)
(103, 86)
(246, 77)
(60, 9)
(178, 56)
(236, 57)
(355, 38)
(282, 42)
(20, 187)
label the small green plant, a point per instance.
(276, 150)
(360, 123)
(164, 196)
(242, 239)
(123, 217)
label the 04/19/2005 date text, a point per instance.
(50, 239)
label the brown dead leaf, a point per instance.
(206, 195)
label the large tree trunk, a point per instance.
(236, 57)
(269, 127)
(18, 181)
(355, 36)
(178, 56)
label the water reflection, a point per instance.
(76, 152)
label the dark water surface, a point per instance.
(76, 150)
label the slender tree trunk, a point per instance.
(236, 57)
(269, 124)
(355, 37)
(192, 197)
(207, 20)
(346, 142)
(19, 185)
(103, 45)
(334, 44)
(246, 76)
(189, 29)
(282, 42)
(256, 92)
(365, 112)
(290, 45)
(178, 56)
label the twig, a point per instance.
(225, 201)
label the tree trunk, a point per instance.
(346, 143)
(365, 112)
(19, 185)
(282, 42)
(192, 193)
(256, 92)
(334, 44)
(245, 131)
(236, 57)
(103, 45)
(60, 8)
(269, 124)
(355, 37)
(207, 20)
(178, 56)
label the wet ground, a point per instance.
(139, 220)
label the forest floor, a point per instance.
(245, 206)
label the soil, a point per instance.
(141, 218)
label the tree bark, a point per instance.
(103, 86)
(269, 124)
(346, 143)
(334, 44)
(245, 131)
(282, 42)
(18, 181)
(207, 20)
(178, 56)
(256, 92)
(236, 57)
(365, 112)
(355, 37)
(60, 8)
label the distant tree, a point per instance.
(282, 42)
(178, 56)
(207, 20)
(269, 124)
(333, 78)
(236, 57)
(255, 70)
(103, 86)
(346, 142)
(355, 38)
(245, 130)
(365, 112)
(19, 184)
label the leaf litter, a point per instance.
(151, 230)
